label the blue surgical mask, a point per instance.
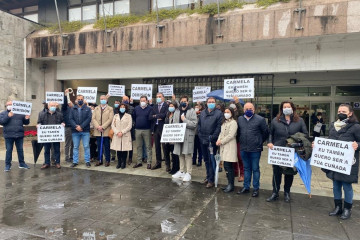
(80, 102)
(103, 102)
(211, 105)
(158, 100)
(171, 109)
(52, 109)
(122, 110)
(116, 105)
(249, 113)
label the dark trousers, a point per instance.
(93, 148)
(56, 152)
(229, 169)
(197, 150)
(157, 138)
(209, 162)
(168, 150)
(106, 148)
(9, 142)
(121, 156)
(277, 175)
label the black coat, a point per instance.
(209, 125)
(156, 114)
(253, 133)
(349, 133)
(13, 127)
(85, 120)
(46, 119)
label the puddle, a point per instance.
(53, 206)
(54, 232)
(89, 236)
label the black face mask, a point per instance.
(342, 116)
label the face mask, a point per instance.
(171, 109)
(227, 115)
(103, 102)
(143, 104)
(249, 113)
(342, 116)
(158, 100)
(52, 109)
(122, 110)
(116, 105)
(9, 108)
(92, 111)
(211, 106)
(197, 109)
(287, 111)
(125, 102)
(233, 106)
(80, 102)
(183, 104)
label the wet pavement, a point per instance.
(83, 204)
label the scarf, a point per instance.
(340, 124)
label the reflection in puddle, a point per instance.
(167, 226)
(216, 209)
(54, 232)
(89, 235)
(53, 206)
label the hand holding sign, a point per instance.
(355, 145)
(10, 114)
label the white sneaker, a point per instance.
(187, 177)
(178, 175)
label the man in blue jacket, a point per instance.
(80, 118)
(209, 128)
(13, 131)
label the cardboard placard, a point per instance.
(51, 133)
(57, 97)
(138, 90)
(200, 93)
(173, 133)
(116, 90)
(22, 108)
(89, 93)
(241, 87)
(281, 156)
(167, 90)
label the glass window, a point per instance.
(163, 4)
(75, 14)
(74, 2)
(348, 91)
(89, 12)
(122, 7)
(108, 7)
(32, 17)
(319, 91)
(16, 11)
(31, 9)
(89, 1)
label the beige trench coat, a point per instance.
(227, 137)
(124, 125)
(105, 122)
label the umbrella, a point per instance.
(304, 169)
(101, 148)
(219, 94)
(212, 157)
(217, 160)
(37, 147)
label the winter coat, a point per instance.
(227, 137)
(102, 118)
(83, 121)
(187, 147)
(349, 133)
(280, 131)
(123, 125)
(45, 118)
(252, 133)
(13, 127)
(209, 125)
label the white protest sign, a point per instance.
(138, 90)
(89, 93)
(281, 156)
(208, 88)
(200, 93)
(22, 108)
(57, 97)
(167, 90)
(333, 155)
(241, 87)
(116, 90)
(51, 133)
(173, 132)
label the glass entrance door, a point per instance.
(319, 110)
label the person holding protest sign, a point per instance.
(13, 132)
(69, 145)
(80, 118)
(122, 142)
(101, 119)
(253, 132)
(346, 128)
(209, 127)
(141, 117)
(285, 124)
(185, 114)
(200, 106)
(227, 144)
(169, 147)
(51, 117)
(157, 118)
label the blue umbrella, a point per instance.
(304, 169)
(219, 94)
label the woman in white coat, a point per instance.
(228, 147)
(122, 142)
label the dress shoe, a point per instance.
(144, 160)
(44, 166)
(223, 188)
(98, 164)
(118, 166)
(205, 181)
(157, 166)
(243, 191)
(168, 169)
(210, 185)
(273, 197)
(199, 164)
(88, 164)
(346, 214)
(137, 165)
(229, 188)
(255, 193)
(241, 178)
(107, 164)
(130, 161)
(149, 166)
(57, 166)
(73, 165)
(287, 197)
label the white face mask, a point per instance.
(143, 104)
(287, 111)
(9, 108)
(196, 109)
(227, 115)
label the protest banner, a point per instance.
(51, 133)
(200, 93)
(116, 90)
(281, 156)
(57, 97)
(89, 93)
(173, 133)
(22, 108)
(207, 88)
(167, 90)
(333, 155)
(138, 90)
(241, 87)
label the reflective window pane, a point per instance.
(348, 91)
(16, 11)
(31, 9)
(74, 14)
(74, 2)
(32, 17)
(122, 7)
(89, 12)
(163, 4)
(108, 7)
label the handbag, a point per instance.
(317, 127)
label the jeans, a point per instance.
(9, 143)
(348, 191)
(106, 148)
(56, 152)
(197, 150)
(85, 137)
(209, 161)
(251, 167)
